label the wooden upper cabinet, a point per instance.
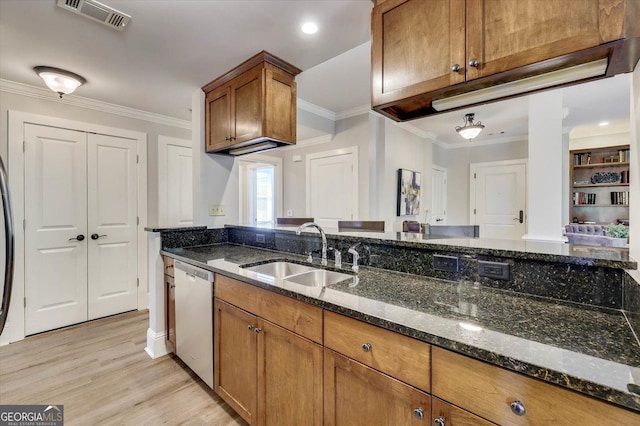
(255, 102)
(415, 44)
(425, 50)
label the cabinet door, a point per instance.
(234, 358)
(218, 119)
(506, 34)
(444, 414)
(247, 106)
(281, 95)
(415, 44)
(358, 395)
(289, 378)
(170, 314)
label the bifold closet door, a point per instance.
(112, 221)
(56, 228)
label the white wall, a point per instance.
(53, 107)
(634, 170)
(457, 163)
(599, 141)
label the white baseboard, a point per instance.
(156, 346)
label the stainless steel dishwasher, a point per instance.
(194, 319)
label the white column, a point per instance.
(634, 170)
(544, 174)
(156, 332)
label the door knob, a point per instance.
(97, 237)
(79, 237)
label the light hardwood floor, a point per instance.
(101, 374)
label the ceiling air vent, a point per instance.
(97, 11)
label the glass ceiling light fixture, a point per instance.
(470, 129)
(60, 81)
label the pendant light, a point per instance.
(470, 129)
(60, 81)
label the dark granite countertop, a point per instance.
(173, 228)
(593, 351)
(518, 249)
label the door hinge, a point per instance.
(137, 159)
(24, 146)
(24, 224)
(137, 282)
(137, 220)
(474, 211)
(474, 175)
(25, 302)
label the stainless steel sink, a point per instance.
(280, 269)
(318, 278)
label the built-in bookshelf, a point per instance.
(599, 184)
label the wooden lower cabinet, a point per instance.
(445, 414)
(269, 375)
(170, 314)
(355, 394)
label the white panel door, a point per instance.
(331, 189)
(500, 201)
(112, 224)
(439, 195)
(179, 186)
(56, 228)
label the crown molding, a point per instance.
(78, 101)
(353, 112)
(315, 109)
(496, 141)
(318, 140)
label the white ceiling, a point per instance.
(171, 48)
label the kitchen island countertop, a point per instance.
(591, 350)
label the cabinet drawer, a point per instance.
(398, 356)
(446, 414)
(296, 316)
(168, 266)
(488, 391)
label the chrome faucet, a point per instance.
(356, 256)
(324, 238)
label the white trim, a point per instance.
(473, 167)
(353, 150)
(156, 346)
(445, 193)
(315, 109)
(495, 141)
(163, 146)
(308, 142)
(78, 101)
(353, 112)
(415, 130)
(279, 193)
(16, 121)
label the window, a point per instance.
(259, 192)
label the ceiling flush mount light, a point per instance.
(470, 129)
(309, 28)
(60, 81)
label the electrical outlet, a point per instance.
(496, 270)
(289, 213)
(216, 210)
(445, 263)
(259, 238)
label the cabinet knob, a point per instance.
(258, 330)
(473, 63)
(366, 347)
(517, 407)
(455, 68)
(439, 421)
(249, 327)
(418, 413)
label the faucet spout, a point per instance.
(322, 235)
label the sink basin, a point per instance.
(280, 269)
(318, 278)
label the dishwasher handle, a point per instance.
(193, 271)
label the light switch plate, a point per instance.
(289, 213)
(216, 210)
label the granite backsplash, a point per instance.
(631, 291)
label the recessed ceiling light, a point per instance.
(604, 123)
(309, 28)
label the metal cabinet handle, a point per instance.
(455, 68)
(418, 413)
(366, 347)
(97, 237)
(249, 327)
(517, 407)
(77, 238)
(473, 63)
(258, 330)
(439, 421)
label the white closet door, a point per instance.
(56, 217)
(179, 186)
(112, 224)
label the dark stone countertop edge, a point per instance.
(174, 228)
(441, 245)
(583, 386)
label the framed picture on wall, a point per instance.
(408, 193)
